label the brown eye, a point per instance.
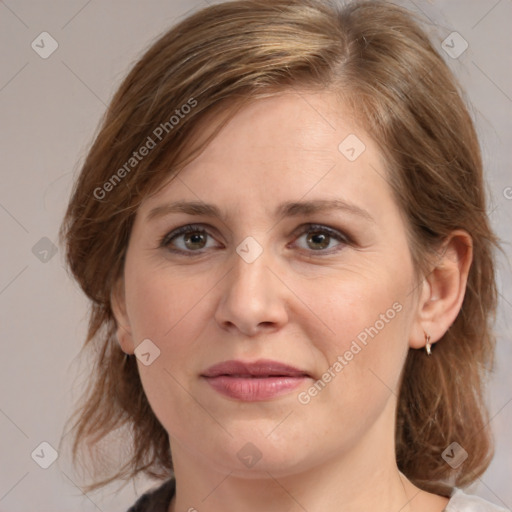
(189, 239)
(195, 240)
(317, 240)
(321, 239)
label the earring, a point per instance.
(428, 345)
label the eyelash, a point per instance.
(343, 238)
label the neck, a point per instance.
(363, 478)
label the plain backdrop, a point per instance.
(50, 108)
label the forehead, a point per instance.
(281, 148)
(281, 128)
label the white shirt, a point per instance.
(462, 502)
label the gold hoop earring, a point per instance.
(428, 345)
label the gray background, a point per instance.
(50, 109)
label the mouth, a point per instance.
(254, 381)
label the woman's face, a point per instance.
(294, 270)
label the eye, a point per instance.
(196, 239)
(190, 238)
(321, 239)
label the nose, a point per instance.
(253, 299)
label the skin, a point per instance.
(300, 302)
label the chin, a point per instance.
(253, 456)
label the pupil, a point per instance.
(193, 240)
(319, 239)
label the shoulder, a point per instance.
(156, 500)
(462, 502)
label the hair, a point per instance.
(380, 62)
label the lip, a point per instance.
(254, 381)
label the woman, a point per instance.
(281, 227)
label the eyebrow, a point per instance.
(288, 209)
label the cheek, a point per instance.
(172, 311)
(160, 304)
(365, 341)
(359, 306)
(166, 310)
(362, 358)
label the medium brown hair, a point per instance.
(383, 66)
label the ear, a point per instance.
(118, 305)
(442, 291)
